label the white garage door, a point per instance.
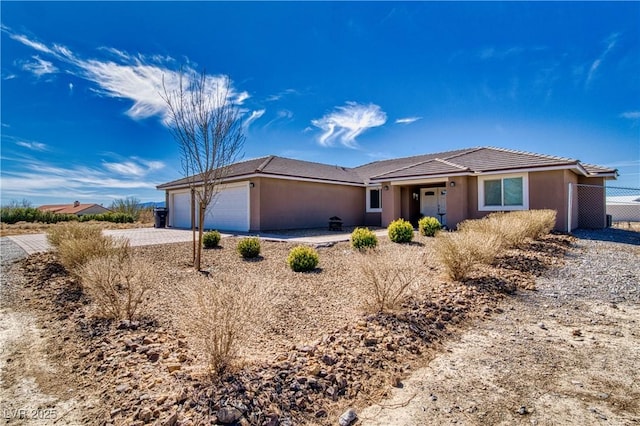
(229, 211)
(180, 210)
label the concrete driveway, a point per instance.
(34, 243)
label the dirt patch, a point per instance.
(564, 354)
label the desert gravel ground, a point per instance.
(564, 354)
(567, 353)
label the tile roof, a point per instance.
(74, 208)
(462, 161)
(284, 167)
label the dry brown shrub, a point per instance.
(75, 253)
(386, 279)
(118, 283)
(515, 228)
(461, 251)
(72, 231)
(221, 315)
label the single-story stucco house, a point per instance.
(77, 208)
(272, 192)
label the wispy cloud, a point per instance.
(253, 117)
(280, 95)
(610, 43)
(488, 53)
(39, 67)
(36, 178)
(631, 115)
(407, 120)
(135, 167)
(345, 123)
(34, 146)
(138, 78)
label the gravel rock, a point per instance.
(228, 415)
(604, 268)
(347, 417)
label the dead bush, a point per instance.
(75, 253)
(514, 228)
(221, 316)
(386, 280)
(72, 231)
(118, 283)
(461, 251)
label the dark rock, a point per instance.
(321, 413)
(228, 415)
(328, 359)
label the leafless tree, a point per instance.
(206, 122)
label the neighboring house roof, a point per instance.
(450, 163)
(75, 208)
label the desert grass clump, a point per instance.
(460, 252)
(72, 231)
(249, 248)
(303, 259)
(515, 228)
(119, 284)
(428, 226)
(222, 316)
(385, 280)
(211, 239)
(400, 231)
(77, 244)
(363, 239)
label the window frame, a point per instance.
(502, 177)
(368, 201)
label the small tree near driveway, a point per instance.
(204, 119)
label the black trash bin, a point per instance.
(160, 216)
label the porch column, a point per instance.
(391, 203)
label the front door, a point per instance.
(433, 203)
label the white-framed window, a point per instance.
(374, 199)
(503, 192)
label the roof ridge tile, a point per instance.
(534, 154)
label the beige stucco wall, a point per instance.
(550, 190)
(391, 203)
(289, 204)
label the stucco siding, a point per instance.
(289, 204)
(548, 190)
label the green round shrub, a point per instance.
(363, 238)
(249, 247)
(428, 226)
(210, 239)
(303, 259)
(400, 231)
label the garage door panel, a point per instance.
(229, 210)
(180, 210)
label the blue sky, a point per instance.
(340, 83)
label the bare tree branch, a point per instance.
(207, 126)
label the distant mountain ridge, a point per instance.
(154, 204)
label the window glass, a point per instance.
(513, 191)
(492, 193)
(374, 199)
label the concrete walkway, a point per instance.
(34, 243)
